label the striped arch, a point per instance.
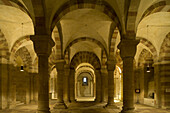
(58, 46)
(150, 46)
(132, 8)
(4, 50)
(85, 57)
(113, 42)
(56, 50)
(142, 57)
(103, 59)
(19, 42)
(15, 3)
(66, 57)
(52, 58)
(85, 39)
(157, 7)
(26, 57)
(99, 5)
(165, 49)
(35, 65)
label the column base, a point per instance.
(60, 105)
(98, 100)
(12, 105)
(42, 111)
(129, 110)
(111, 106)
(72, 101)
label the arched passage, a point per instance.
(85, 82)
(84, 79)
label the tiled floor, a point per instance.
(84, 107)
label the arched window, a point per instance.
(85, 81)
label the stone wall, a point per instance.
(3, 86)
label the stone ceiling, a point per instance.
(86, 22)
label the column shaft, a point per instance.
(127, 52)
(110, 87)
(104, 85)
(42, 46)
(65, 87)
(72, 85)
(128, 84)
(157, 86)
(60, 81)
(110, 68)
(98, 86)
(43, 88)
(60, 75)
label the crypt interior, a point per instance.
(84, 56)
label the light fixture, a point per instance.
(22, 68)
(148, 69)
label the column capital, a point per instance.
(67, 66)
(128, 47)
(111, 65)
(60, 64)
(42, 44)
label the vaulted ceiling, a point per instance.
(85, 25)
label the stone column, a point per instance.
(110, 69)
(60, 81)
(32, 75)
(104, 84)
(127, 52)
(162, 71)
(12, 87)
(42, 46)
(98, 85)
(72, 85)
(65, 87)
(157, 85)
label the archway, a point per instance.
(118, 84)
(53, 84)
(84, 66)
(85, 83)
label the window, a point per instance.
(85, 81)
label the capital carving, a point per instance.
(128, 47)
(60, 65)
(42, 44)
(111, 65)
(67, 66)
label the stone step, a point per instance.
(18, 103)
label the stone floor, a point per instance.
(84, 107)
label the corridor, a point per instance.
(84, 107)
(76, 56)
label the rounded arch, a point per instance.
(71, 5)
(86, 71)
(150, 46)
(86, 39)
(35, 64)
(165, 49)
(154, 8)
(19, 42)
(26, 57)
(84, 65)
(16, 4)
(85, 57)
(142, 57)
(56, 37)
(113, 41)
